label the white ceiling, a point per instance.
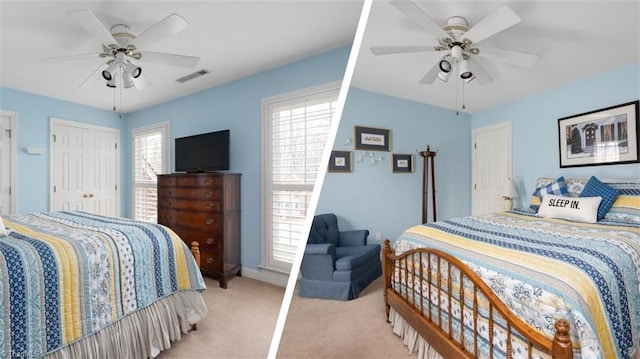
(573, 39)
(233, 39)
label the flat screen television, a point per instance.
(203, 152)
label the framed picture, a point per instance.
(340, 161)
(402, 163)
(606, 136)
(372, 139)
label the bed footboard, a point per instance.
(428, 287)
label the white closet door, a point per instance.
(5, 164)
(491, 167)
(84, 168)
(101, 173)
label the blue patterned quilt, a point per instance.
(544, 269)
(66, 275)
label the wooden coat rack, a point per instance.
(428, 160)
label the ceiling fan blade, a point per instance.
(169, 59)
(481, 75)
(418, 15)
(389, 50)
(431, 76)
(501, 19)
(94, 79)
(88, 21)
(170, 25)
(522, 59)
(93, 55)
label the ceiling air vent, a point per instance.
(192, 75)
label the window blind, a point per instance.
(298, 132)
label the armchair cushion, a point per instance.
(356, 237)
(349, 258)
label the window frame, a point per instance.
(164, 129)
(311, 93)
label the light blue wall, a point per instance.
(236, 106)
(374, 197)
(535, 126)
(33, 113)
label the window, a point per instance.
(295, 130)
(150, 158)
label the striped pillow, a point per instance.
(626, 208)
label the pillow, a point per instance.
(595, 188)
(626, 208)
(3, 229)
(557, 187)
(582, 209)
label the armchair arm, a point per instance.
(319, 261)
(320, 248)
(356, 237)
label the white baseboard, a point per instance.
(267, 277)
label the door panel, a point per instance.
(84, 172)
(491, 167)
(5, 164)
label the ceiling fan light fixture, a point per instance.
(444, 76)
(465, 71)
(445, 66)
(127, 80)
(456, 52)
(110, 72)
(133, 69)
(112, 83)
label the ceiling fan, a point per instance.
(461, 44)
(121, 50)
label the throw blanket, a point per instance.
(547, 268)
(66, 275)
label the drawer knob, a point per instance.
(208, 194)
(209, 205)
(209, 260)
(209, 221)
(209, 241)
(208, 181)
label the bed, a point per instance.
(523, 283)
(78, 285)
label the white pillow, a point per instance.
(3, 229)
(582, 209)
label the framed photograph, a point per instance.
(606, 136)
(372, 139)
(402, 163)
(340, 161)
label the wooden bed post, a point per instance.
(386, 274)
(195, 250)
(562, 347)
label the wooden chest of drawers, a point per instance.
(205, 207)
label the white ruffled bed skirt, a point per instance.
(410, 337)
(143, 334)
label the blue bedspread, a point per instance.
(66, 275)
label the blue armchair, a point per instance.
(337, 264)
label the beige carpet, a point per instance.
(240, 322)
(320, 328)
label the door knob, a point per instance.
(91, 195)
(84, 195)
